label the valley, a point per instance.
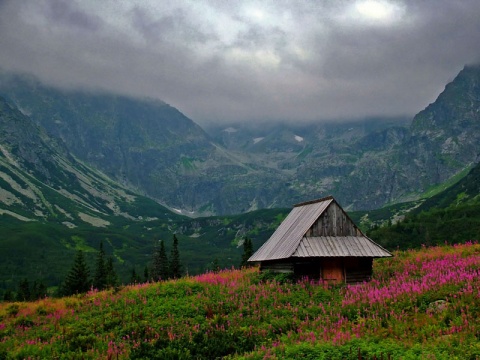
(153, 149)
(78, 168)
(255, 180)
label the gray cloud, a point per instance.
(64, 12)
(249, 60)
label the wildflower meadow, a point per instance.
(421, 304)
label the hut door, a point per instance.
(332, 270)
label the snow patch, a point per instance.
(298, 138)
(256, 140)
(230, 130)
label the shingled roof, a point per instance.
(289, 240)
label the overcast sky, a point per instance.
(248, 60)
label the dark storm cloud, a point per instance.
(248, 60)
(65, 12)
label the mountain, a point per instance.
(146, 145)
(41, 181)
(375, 162)
(60, 191)
(452, 215)
(153, 149)
(441, 142)
(52, 204)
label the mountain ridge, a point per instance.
(153, 149)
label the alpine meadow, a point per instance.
(240, 180)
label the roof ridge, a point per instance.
(329, 197)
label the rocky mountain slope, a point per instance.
(452, 215)
(41, 181)
(146, 145)
(369, 164)
(154, 149)
(398, 164)
(52, 204)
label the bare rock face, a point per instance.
(442, 140)
(41, 181)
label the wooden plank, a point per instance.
(332, 270)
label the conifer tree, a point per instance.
(134, 278)
(111, 278)
(100, 275)
(146, 274)
(247, 252)
(77, 280)
(42, 290)
(160, 263)
(164, 271)
(175, 265)
(39, 290)
(8, 295)
(215, 267)
(24, 293)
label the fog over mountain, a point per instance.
(224, 61)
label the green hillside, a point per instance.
(452, 215)
(421, 304)
(44, 251)
(52, 204)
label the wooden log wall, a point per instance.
(277, 266)
(333, 222)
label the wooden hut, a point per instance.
(319, 240)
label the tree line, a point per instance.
(162, 268)
(80, 280)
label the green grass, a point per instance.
(421, 304)
(434, 190)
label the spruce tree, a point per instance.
(111, 278)
(77, 280)
(155, 270)
(215, 267)
(8, 295)
(23, 292)
(247, 252)
(100, 275)
(42, 290)
(175, 265)
(134, 278)
(164, 271)
(160, 263)
(39, 290)
(146, 274)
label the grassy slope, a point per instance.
(235, 314)
(450, 216)
(439, 196)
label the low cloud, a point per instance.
(243, 61)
